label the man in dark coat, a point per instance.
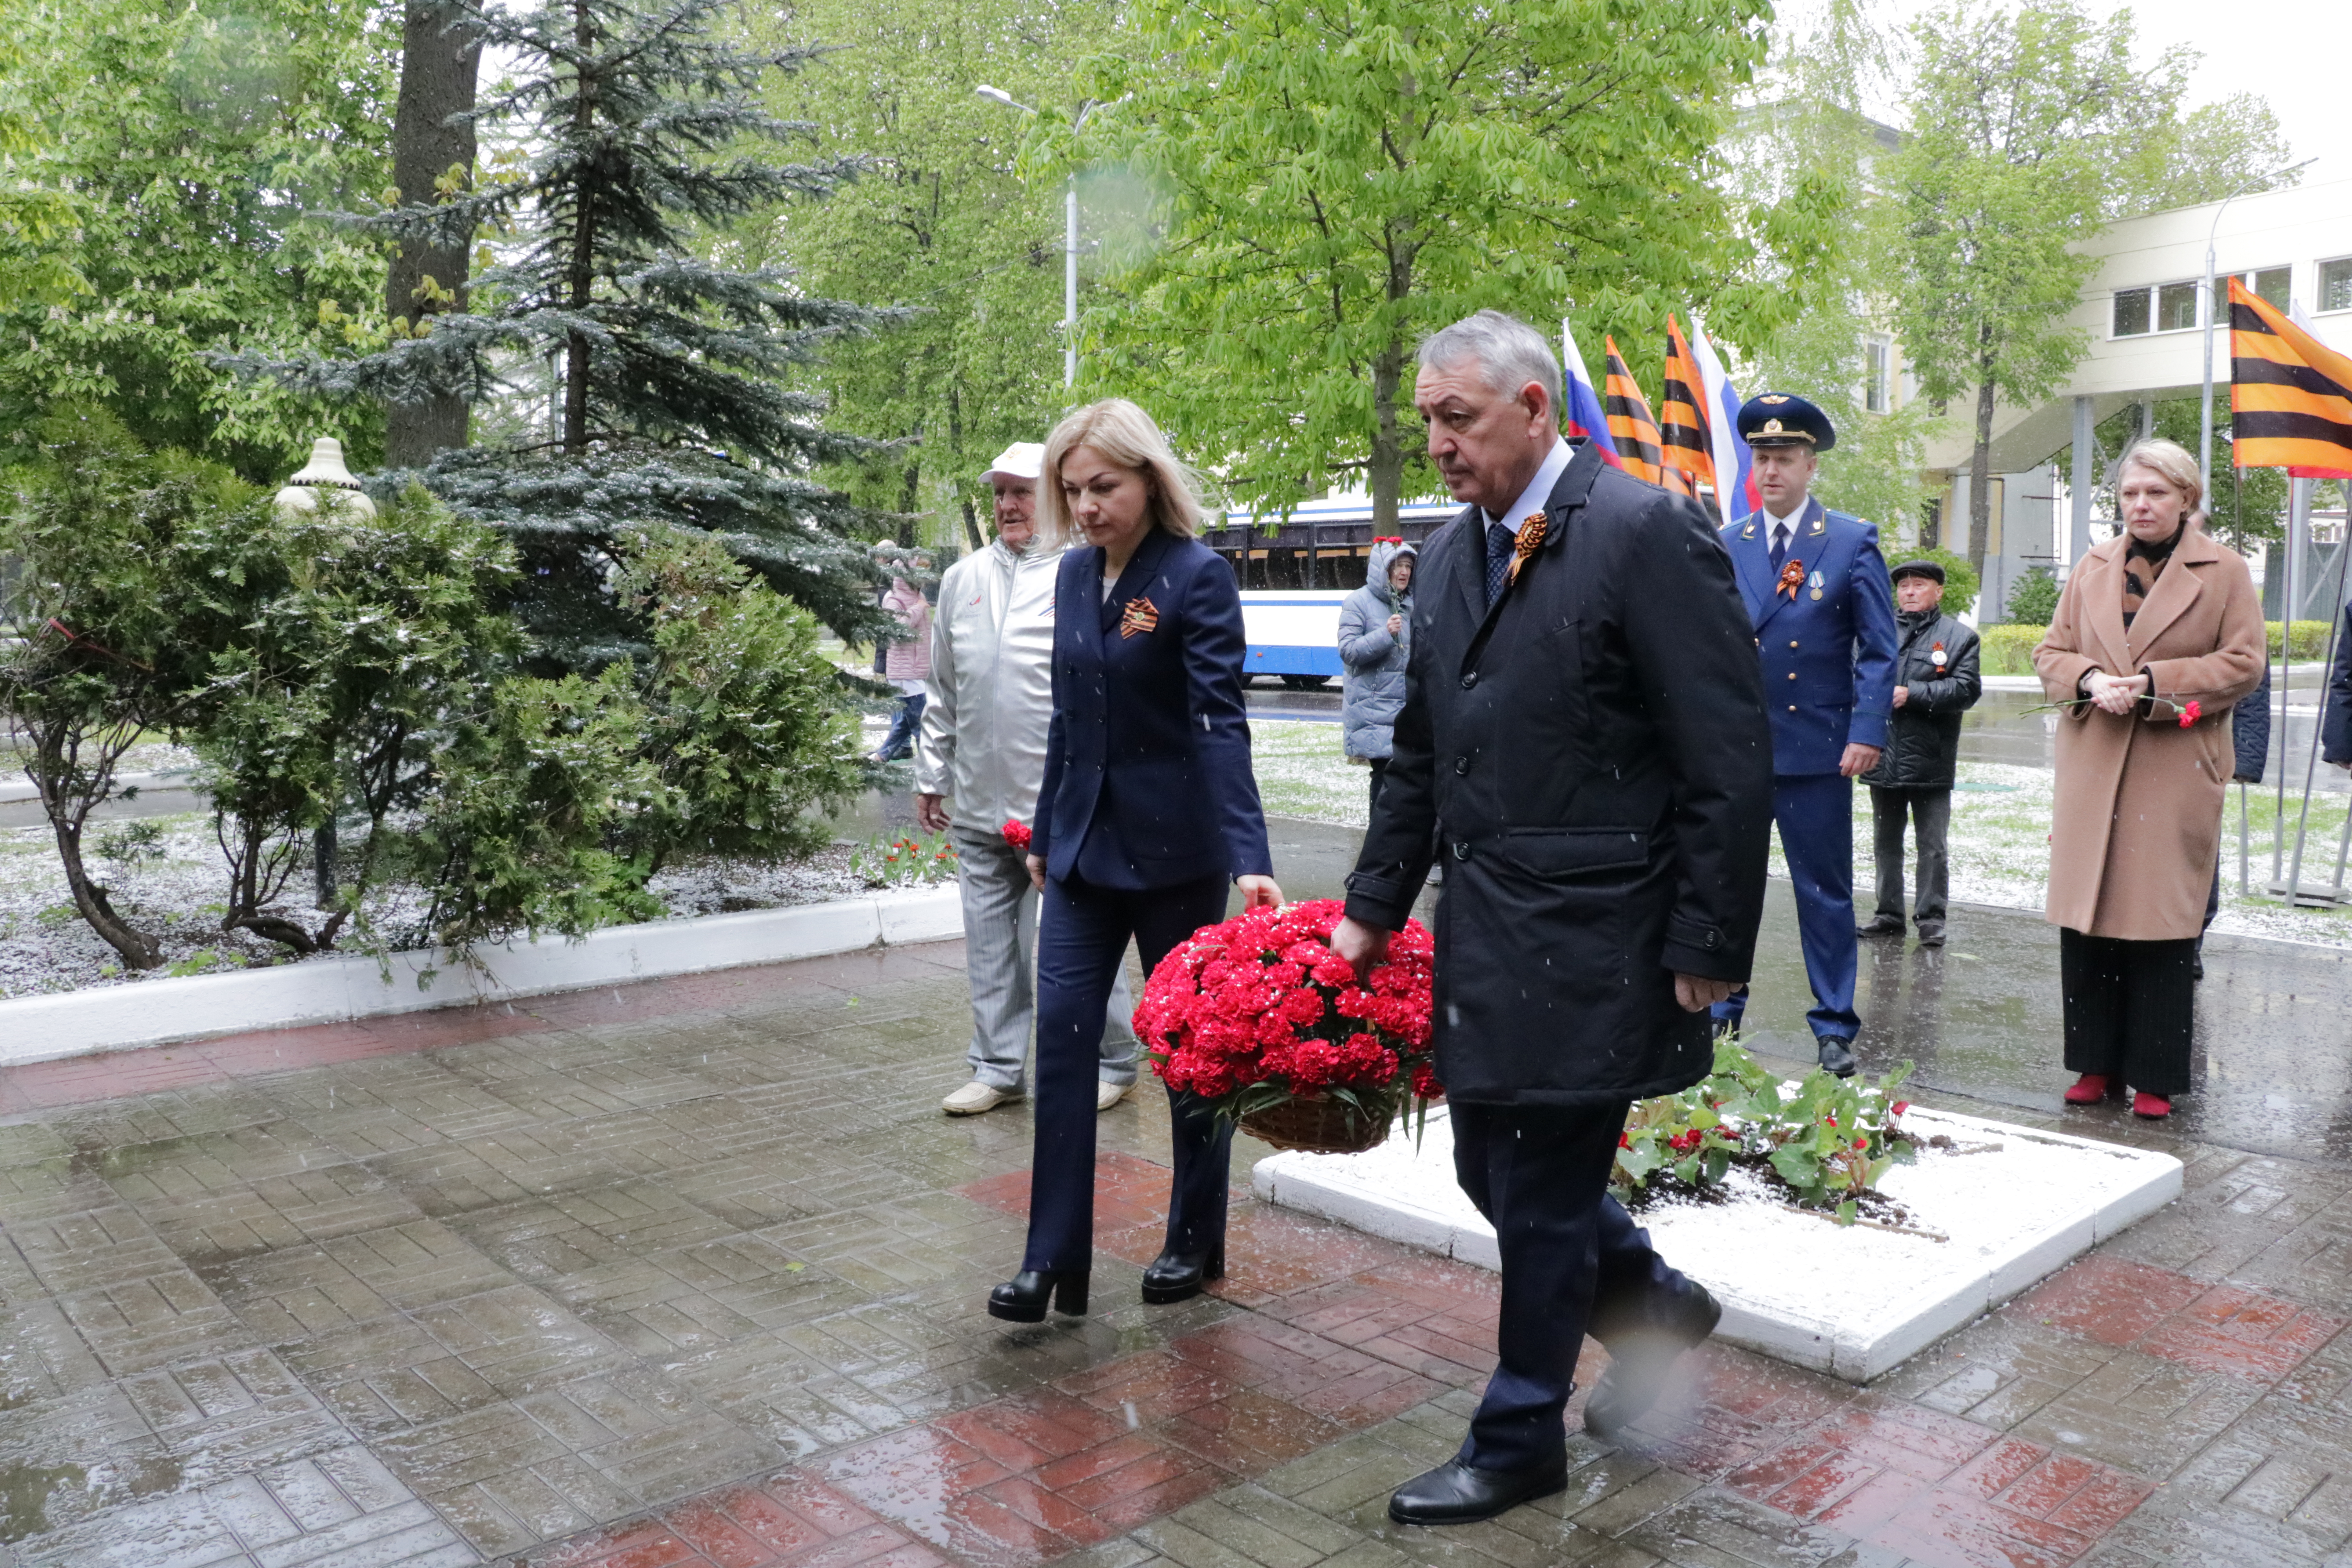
(1935, 681)
(1584, 736)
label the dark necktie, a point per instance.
(1780, 547)
(1501, 542)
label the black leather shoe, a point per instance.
(1931, 933)
(1639, 1360)
(1837, 1055)
(1456, 1493)
(1022, 1298)
(1179, 1275)
(1881, 925)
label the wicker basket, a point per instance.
(1318, 1126)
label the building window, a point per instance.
(1877, 372)
(2272, 283)
(2131, 312)
(1931, 525)
(2176, 307)
(2335, 285)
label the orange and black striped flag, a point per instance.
(2290, 395)
(1683, 443)
(1632, 428)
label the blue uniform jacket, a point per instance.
(1828, 653)
(1147, 780)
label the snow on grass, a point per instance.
(2000, 836)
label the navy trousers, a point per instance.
(1081, 938)
(1814, 812)
(1573, 1261)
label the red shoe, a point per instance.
(2088, 1089)
(2155, 1106)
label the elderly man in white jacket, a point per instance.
(978, 765)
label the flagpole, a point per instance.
(2311, 762)
(2205, 405)
(2295, 491)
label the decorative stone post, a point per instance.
(324, 471)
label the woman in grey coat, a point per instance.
(1375, 636)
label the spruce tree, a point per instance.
(629, 130)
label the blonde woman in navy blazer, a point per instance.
(1147, 815)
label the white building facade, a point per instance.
(2142, 311)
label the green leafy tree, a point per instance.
(632, 130)
(940, 222)
(1335, 181)
(162, 214)
(2234, 146)
(1809, 121)
(367, 651)
(2025, 126)
(129, 569)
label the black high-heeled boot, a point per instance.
(1022, 1298)
(1179, 1275)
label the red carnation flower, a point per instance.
(1015, 833)
(2190, 714)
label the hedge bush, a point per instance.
(2009, 648)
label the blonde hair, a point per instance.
(1125, 434)
(2170, 461)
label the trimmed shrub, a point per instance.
(2008, 648)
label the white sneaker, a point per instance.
(976, 1096)
(1109, 1094)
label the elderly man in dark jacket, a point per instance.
(1935, 681)
(1584, 736)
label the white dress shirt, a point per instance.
(1774, 538)
(1538, 491)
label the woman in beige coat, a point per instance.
(2158, 633)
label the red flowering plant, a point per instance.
(1828, 1140)
(1257, 1012)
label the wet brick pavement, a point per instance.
(691, 1271)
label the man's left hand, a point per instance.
(1902, 695)
(1696, 993)
(1858, 761)
(931, 811)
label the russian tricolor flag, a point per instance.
(1586, 416)
(1723, 402)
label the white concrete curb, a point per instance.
(334, 990)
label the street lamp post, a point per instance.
(2205, 406)
(1069, 235)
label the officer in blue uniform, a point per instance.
(1817, 593)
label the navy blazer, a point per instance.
(1148, 779)
(1828, 653)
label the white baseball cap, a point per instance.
(1021, 460)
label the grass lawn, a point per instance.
(1999, 843)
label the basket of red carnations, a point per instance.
(1258, 1015)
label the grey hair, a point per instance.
(1509, 354)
